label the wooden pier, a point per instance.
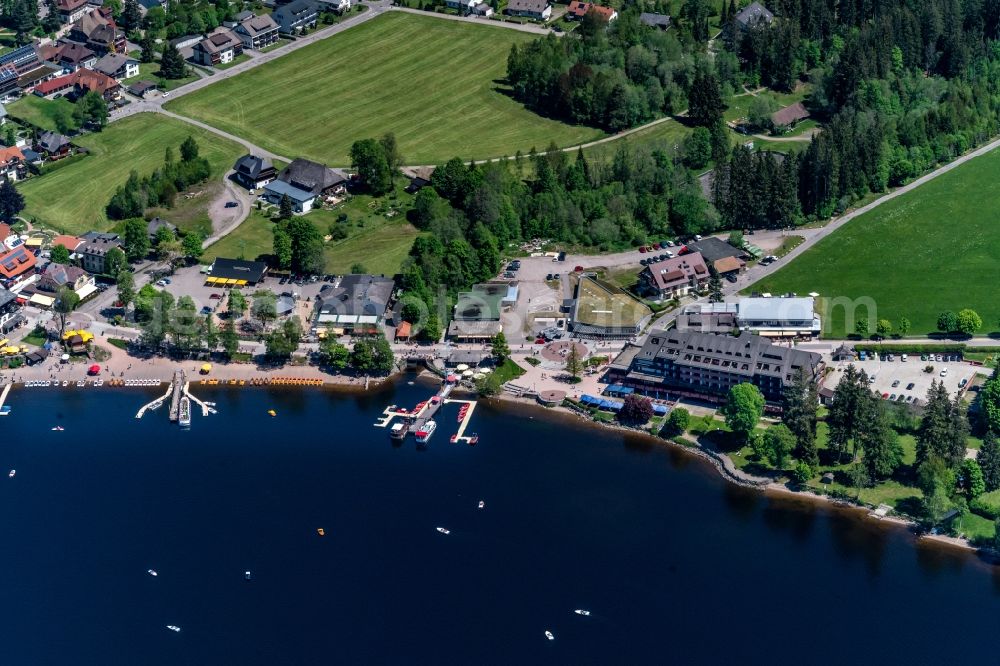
(177, 388)
(3, 395)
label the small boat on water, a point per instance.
(398, 431)
(11, 474)
(454, 438)
(443, 530)
(5, 410)
(246, 575)
(185, 413)
(550, 636)
(321, 531)
(58, 429)
(173, 627)
(152, 572)
(482, 504)
(271, 412)
(473, 439)
(424, 433)
(65, 383)
(580, 611)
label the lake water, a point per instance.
(675, 565)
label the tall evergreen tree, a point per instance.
(943, 428)
(989, 460)
(799, 414)
(845, 411)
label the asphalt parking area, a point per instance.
(893, 377)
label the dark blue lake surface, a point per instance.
(676, 566)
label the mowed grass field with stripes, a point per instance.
(436, 84)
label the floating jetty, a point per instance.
(179, 395)
(4, 411)
(426, 410)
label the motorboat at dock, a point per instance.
(424, 432)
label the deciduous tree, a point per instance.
(743, 409)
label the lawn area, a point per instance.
(377, 242)
(150, 71)
(668, 135)
(248, 241)
(433, 83)
(927, 251)
(243, 57)
(40, 111)
(72, 198)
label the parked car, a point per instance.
(656, 246)
(161, 283)
(231, 204)
(892, 397)
(578, 269)
(206, 310)
(937, 357)
(548, 276)
(215, 297)
(562, 256)
(909, 398)
(909, 387)
(903, 358)
(885, 396)
(643, 249)
(943, 373)
(895, 384)
(730, 278)
(962, 383)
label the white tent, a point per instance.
(462, 367)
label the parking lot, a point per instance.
(894, 378)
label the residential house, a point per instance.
(71, 10)
(476, 317)
(98, 31)
(303, 181)
(540, 10)
(674, 277)
(296, 15)
(788, 117)
(15, 264)
(463, 6)
(53, 144)
(10, 311)
(117, 66)
(254, 172)
(239, 18)
(659, 21)
(219, 47)
(339, 6)
(257, 32)
(577, 10)
(483, 9)
(94, 251)
(56, 276)
(13, 166)
(146, 5)
(235, 272)
(752, 15)
(157, 223)
(302, 200)
(71, 56)
(705, 366)
(142, 88)
(356, 305)
(80, 83)
(714, 250)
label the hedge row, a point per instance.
(903, 348)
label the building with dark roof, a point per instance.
(157, 223)
(313, 177)
(357, 304)
(256, 32)
(713, 249)
(236, 272)
(94, 251)
(296, 15)
(540, 10)
(117, 66)
(218, 48)
(253, 172)
(789, 116)
(140, 88)
(753, 14)
(706, 366)
(71, 10)
(661, 21)
(10, 312)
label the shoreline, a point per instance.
(770, 488)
